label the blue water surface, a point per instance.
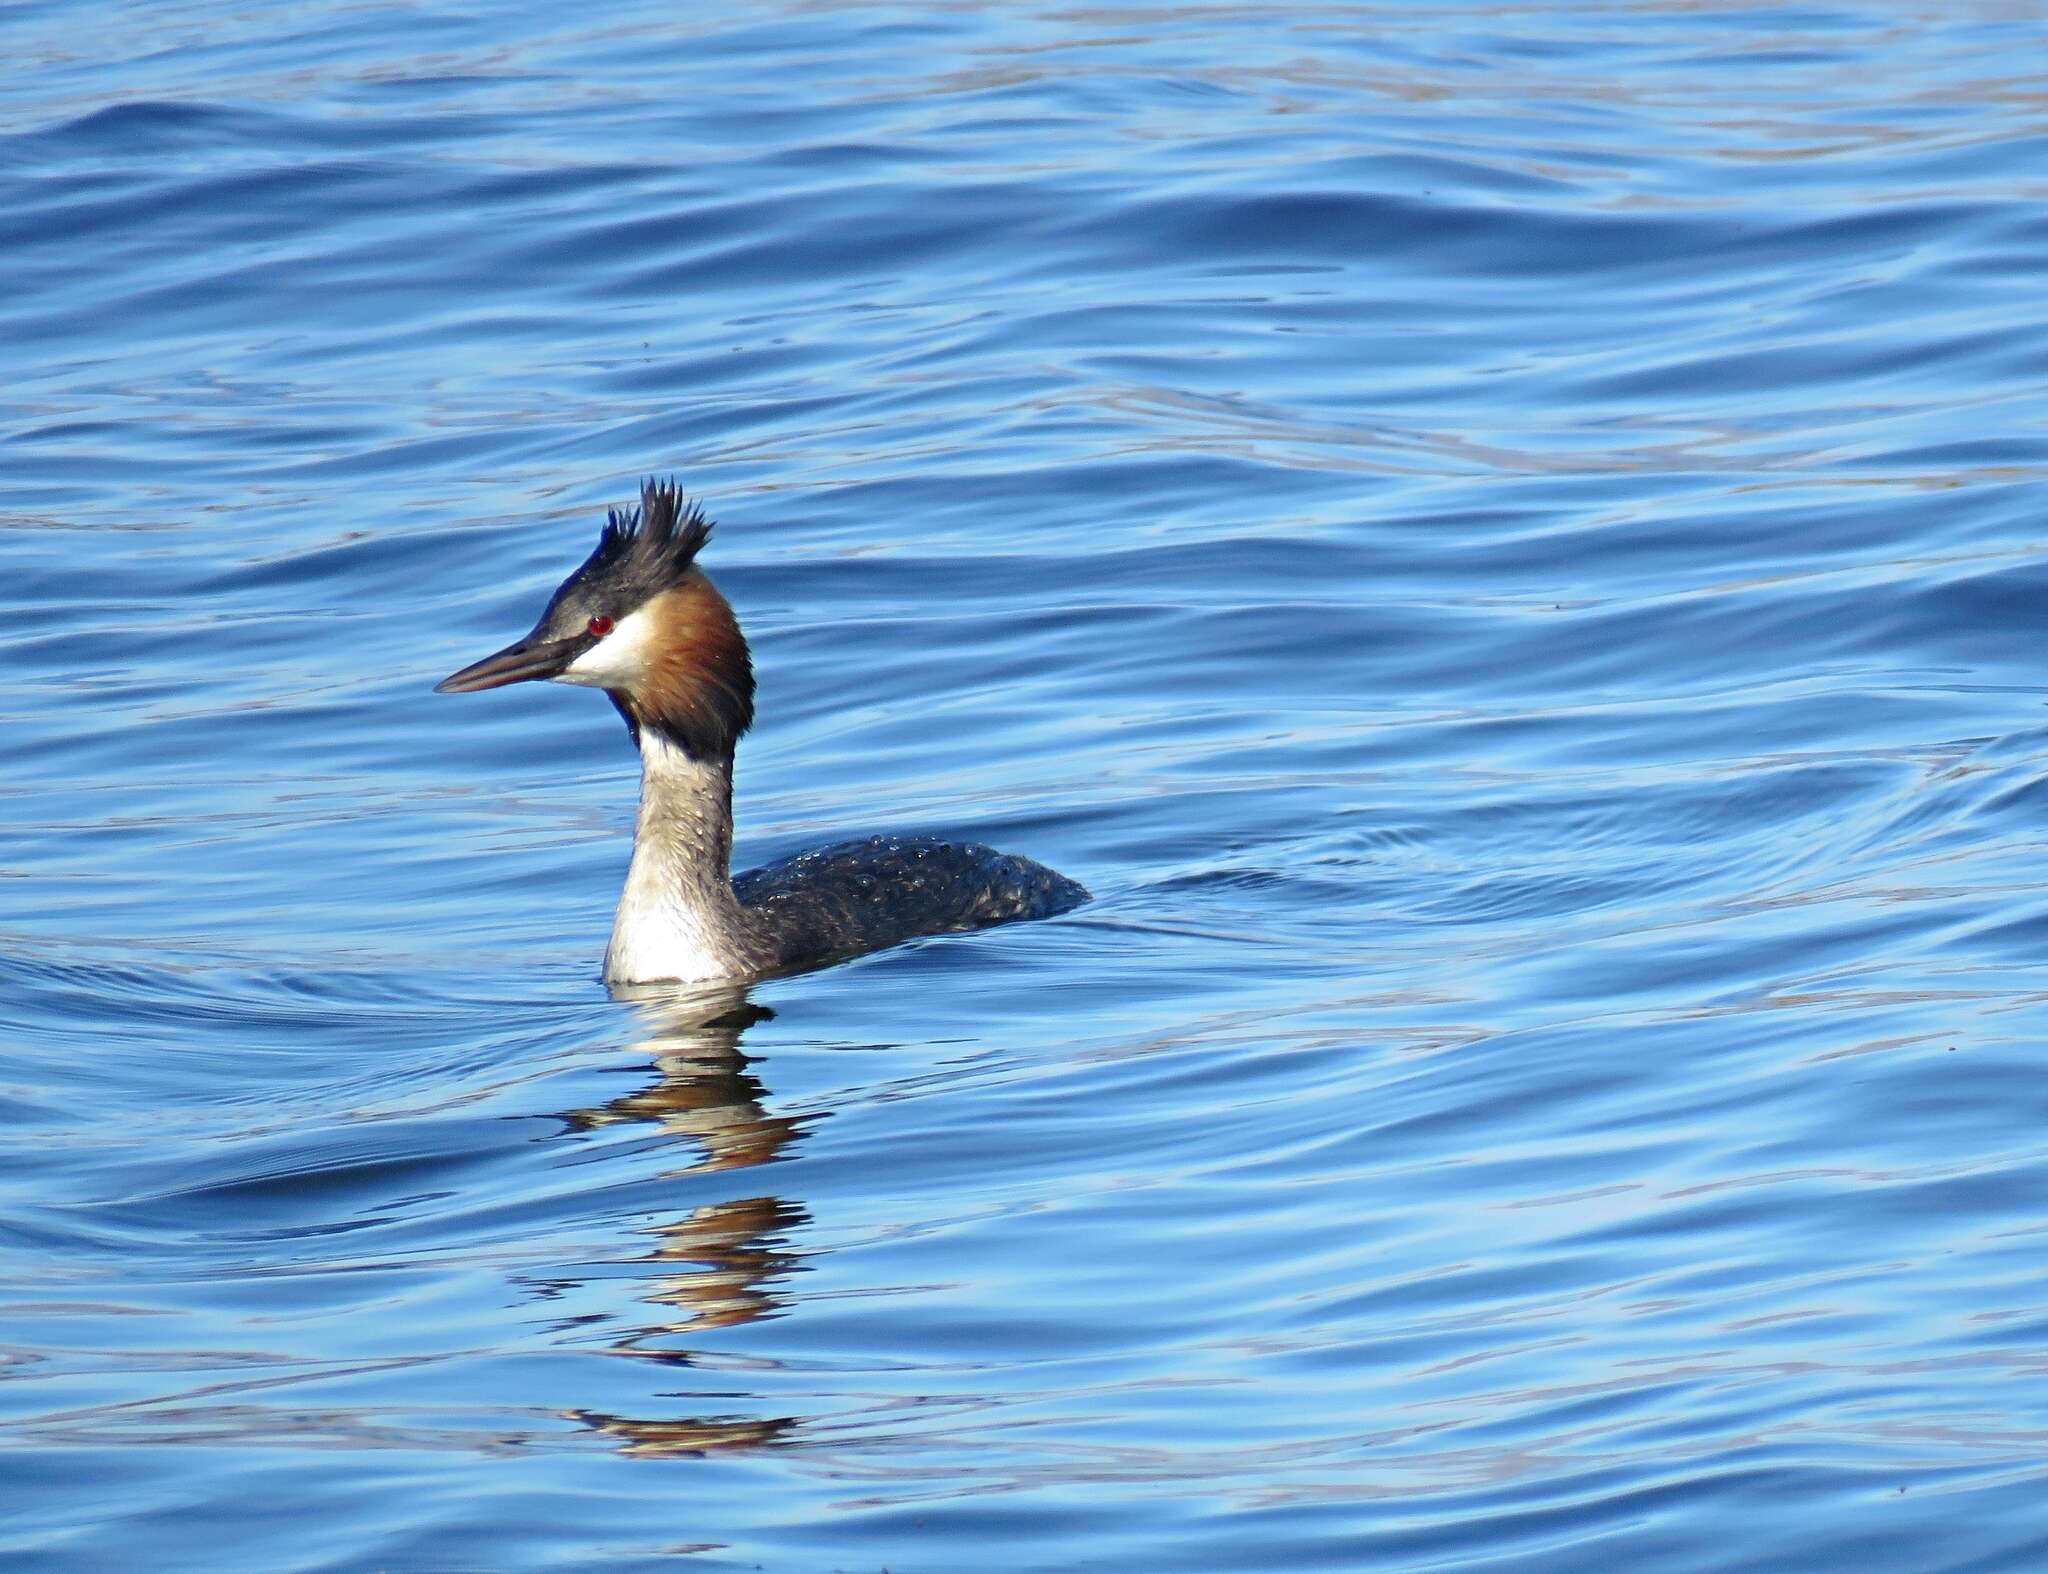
(1503, 542)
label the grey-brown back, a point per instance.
(860, 896)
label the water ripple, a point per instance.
(1501, 544)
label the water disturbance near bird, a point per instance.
(1502, 545)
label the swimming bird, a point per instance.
(640, 620)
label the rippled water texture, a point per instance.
(1504, 544)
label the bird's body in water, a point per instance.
(641, 621)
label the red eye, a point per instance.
(600, 625)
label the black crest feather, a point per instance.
(640, 553)
(650, 548)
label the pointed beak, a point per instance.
(520, 662)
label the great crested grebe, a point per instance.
(641, 621)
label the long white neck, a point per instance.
(678, 918)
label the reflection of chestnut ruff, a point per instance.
(683, 1439)
(641, 621)
(730, 1243)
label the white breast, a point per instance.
(677, 916)
(655, 937)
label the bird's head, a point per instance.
(641, 621)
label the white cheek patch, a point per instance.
(617, 660)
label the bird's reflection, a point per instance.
(704, 1091)
(718, 1265)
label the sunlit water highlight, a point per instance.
(1503, 544)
